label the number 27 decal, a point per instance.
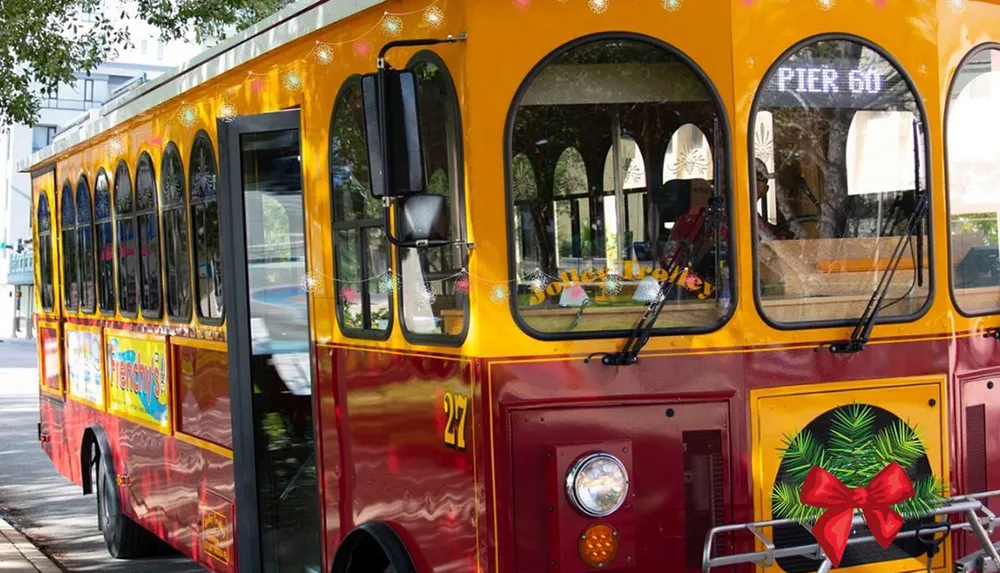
(456, 410)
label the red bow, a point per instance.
(889, 487)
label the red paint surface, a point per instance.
(203, 397)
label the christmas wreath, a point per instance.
(857, 468)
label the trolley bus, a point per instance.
(529, 286)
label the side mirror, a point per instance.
(392, 127)
(422, 220)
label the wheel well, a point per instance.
(372, 547)
(94, 434)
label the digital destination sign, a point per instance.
(824, 80)
(835, 84)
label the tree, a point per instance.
(43, 43)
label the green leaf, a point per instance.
(800, 453)
(928, 494)
(899, 443)
(787, 505)
(852, 434)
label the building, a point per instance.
(147, 58)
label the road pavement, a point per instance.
(50, 510)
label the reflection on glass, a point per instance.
(128, 263)
(973, 142)
(280, 363)
(70, 284)
(85, 239)
(205, 219)
(611, 173)
(835, 140)
(105, 246)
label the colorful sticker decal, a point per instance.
(50, 356)
(854, 457)
(215, 540)
(137, 379)
(83, 363)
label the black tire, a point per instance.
(125, 538)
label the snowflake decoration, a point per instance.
(308, 282)
(462, 284)
(291, 81)
(227, 112)
(522, 5)
(392, 25)
(598, 6)
(155, 141)
(258, 86)
(612, 285)
(187, 115)
(433, 17)
(751, 63)
(956, 5)
(426, 298)
(498, 294)
(826, 5)
(362, 48)
(323, 54)
(115, 146)
(387, 282)
(349, 295)
(537, 281)
(672, 5)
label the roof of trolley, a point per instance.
(287, 25)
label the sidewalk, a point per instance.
(18, 555)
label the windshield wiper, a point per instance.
(863, 329)
(688, 254)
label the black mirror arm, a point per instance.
(416, 42)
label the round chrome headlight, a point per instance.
(597, 484)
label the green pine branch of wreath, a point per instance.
(854, 454)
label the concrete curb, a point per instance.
(30, 554)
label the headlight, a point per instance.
(597, 484)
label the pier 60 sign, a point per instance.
(826, 84)
(820, 80)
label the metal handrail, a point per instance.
(979, 519)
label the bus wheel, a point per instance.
(125, 538)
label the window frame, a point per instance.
(67, 292)
(972, 53)
(185, 207)
(117, 219)
(724, 180)
(45, 239)
(751, 174)
(102, 173)
(85, 182)
(360, 226)
(458, 176)
(202, 135)
(154, 212)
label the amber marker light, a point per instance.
(598, 545)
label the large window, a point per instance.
(105, 244)
(148, 222)
(203, 177)
(71, 284)
(973, 143)
(85, 246)
(361, 249)
(595, 227)
(838, 159)
(175, 235)
(432, 301)
(125, 239)
(44, 216)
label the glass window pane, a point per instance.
(85, 241)
(596, 232)
(128, 262)
(105, 246)
(376, 251)
(205, 219)
(149, 238)
(175, 232)
(841, 132)
(973, 170)
(433, 300)
(45, 253)
(350, 181)
(349, 304)
(71, 286)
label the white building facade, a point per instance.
(147, 58)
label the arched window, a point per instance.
(596, 230)
(842, 129)
(973, 145)
(147, 219)
(361, 249)
(105, 244)
(85, 246)
(71, 283)
(176, 260)
(432, 306)
(125, 240)
(44, 216)
(203, 178)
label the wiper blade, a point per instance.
(863, 329)
(688, 254)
